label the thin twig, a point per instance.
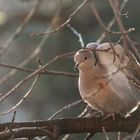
(66, 137)
(105, 133)
(104, 28)
(127, 40)
(89, 136)
(63, 24)
(10, 127)
(112, 22)
(35, 52)
(13, 119)
(136, 132)
(20, 29)
(23, 98)
(78, 35)
(119, 136)
(42, 72)
(102, 24)
(33, 74)
(65, 108)
(84, 112)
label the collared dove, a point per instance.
(108, 78)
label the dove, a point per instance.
(108, 78)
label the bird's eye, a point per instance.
(85, 58)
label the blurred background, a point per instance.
(51, 92)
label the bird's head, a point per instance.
(85, 59)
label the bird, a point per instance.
(108, 78)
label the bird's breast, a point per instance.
(107, 94)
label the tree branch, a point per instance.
(63, 24)
(54, 73)
(68, 126)
(20, 29)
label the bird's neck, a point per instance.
(93, 71)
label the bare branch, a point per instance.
(68, 126)
(65, 23)
(20, 29)
(89, 136)
(102, 24)
(59, 73)
(33, 74)
(111, 23)
(65, 108)
(34, 53)
(127, 40)
(13, 119)
(78, 35)
(136, 132)
(23, 98)
(104, 131)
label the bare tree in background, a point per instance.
(19, 88)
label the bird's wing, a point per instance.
(112, 57)
(116, 59)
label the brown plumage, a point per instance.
(107, 81)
